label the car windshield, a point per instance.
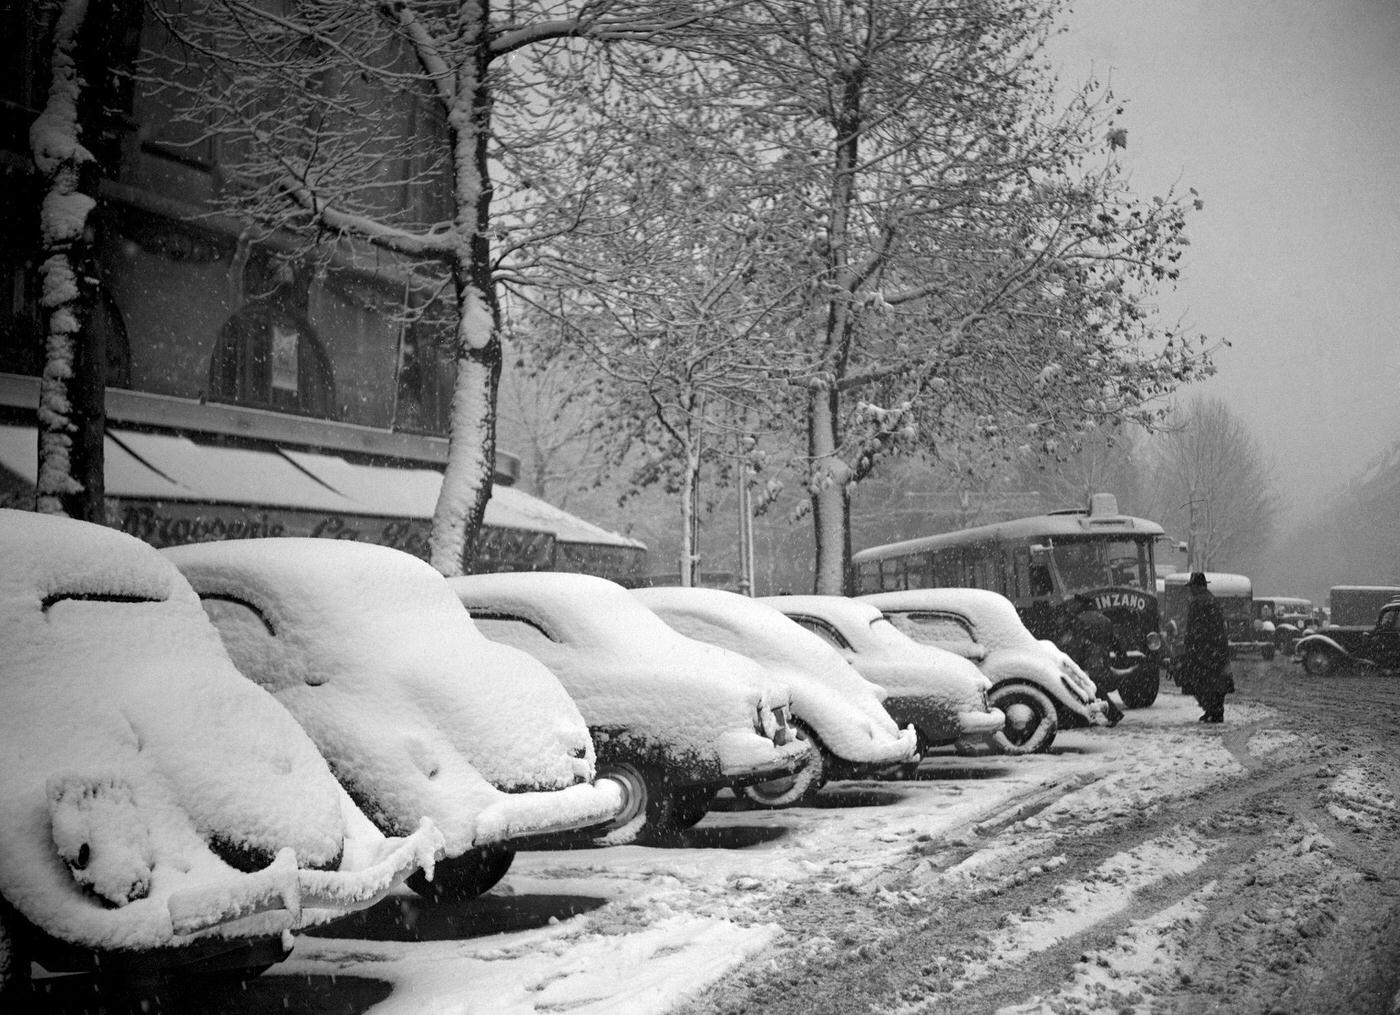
(1095, 563)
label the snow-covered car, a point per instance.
(416, 712)
(833, 706)
(942, 695)
(158, 813)
(673, 719)
(1037, 685)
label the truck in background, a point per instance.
(1358, 605)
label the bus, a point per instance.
(1053, 567)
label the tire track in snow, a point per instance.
(1107, 891)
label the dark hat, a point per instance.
(1198, 579)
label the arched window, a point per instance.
(268, 356)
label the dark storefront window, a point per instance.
(268, 356)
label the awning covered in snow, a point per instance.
(169, 489)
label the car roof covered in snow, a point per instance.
(997, 623)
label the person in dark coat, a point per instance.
(1205, 663)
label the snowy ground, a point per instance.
(655, 926)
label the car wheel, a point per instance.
(692, 804)
(648, 807)
(1140, 693)
(463, 877)
(1031, 719)
(1320, 662)
(799, 787)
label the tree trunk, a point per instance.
(690, 518)
(71, 411)
(831, 507)
(471, 450)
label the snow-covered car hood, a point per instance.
(416, 711)
(137, 766)
(828, 694)
(622, 665)
(882, 654)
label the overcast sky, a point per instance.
(1285, 115)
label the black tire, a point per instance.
(1140, 692)
(799, 787)
(464, 877)
(649, 805)
(1321, 662)
(1031, 719)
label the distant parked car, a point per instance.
(943, 696)
(158, 813)
(417, 712)
(1291, 616)
(1036, 684)
(1335, 649)
(834, 707)
(673, 719)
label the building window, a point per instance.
(268, 355)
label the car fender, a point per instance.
(1319, 641)
(1023, 669)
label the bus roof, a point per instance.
(1060, 523)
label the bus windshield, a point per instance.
(1095, 563)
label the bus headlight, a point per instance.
(1154, 641)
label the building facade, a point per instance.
(249, 390)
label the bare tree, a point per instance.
(983, 272)
(1211, 482)
(553, 413)
(673, 285)
(374, 130)
(1106, 460)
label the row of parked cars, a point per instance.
(207, 748)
